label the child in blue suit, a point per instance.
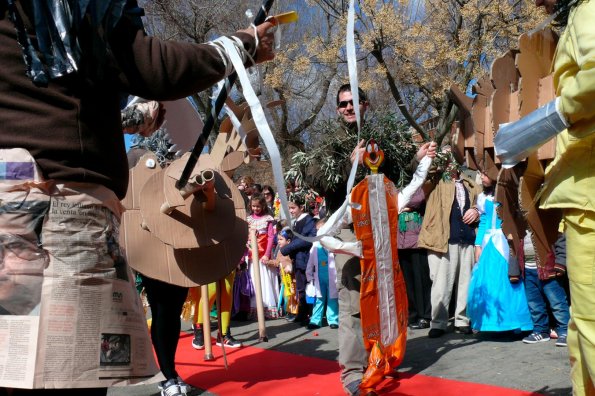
(322, 272)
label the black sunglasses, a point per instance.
(344, 103)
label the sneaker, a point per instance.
(561, 341)
(463, 330)
(333, 326)
(198, 342)
(420, 324)
(536, 337)
(352, 388)
(313, 326)
(184, 387)
(435, 333)
(171, 388)
(228, 341)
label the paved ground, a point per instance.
(499, 359)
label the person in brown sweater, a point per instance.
(61, 143)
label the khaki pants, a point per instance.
(447, 271)
(353, 357)
(580, 245)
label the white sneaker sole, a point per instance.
(230, 346)
(199, 347)
(536, 341)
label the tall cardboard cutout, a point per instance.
(383, 297)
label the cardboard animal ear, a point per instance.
(488, 166)
(182, 123)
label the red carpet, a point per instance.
(255, 371)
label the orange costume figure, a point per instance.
(375, 204)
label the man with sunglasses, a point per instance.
(353, 357)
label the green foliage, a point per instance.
(325, 164)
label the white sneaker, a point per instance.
(171, 388)
(184, 387)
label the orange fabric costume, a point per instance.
(383, 297)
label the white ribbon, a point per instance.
(333, 221)
(260, 121)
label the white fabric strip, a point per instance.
(384, 259)
(421, 172)
(353, 81)
(260, 122)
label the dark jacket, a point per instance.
(73, 127)
(298, 249)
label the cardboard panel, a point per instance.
(232, 161)
(138, 176)
(189, 226)
(174, 171)
(183, 267)
(505, 77)
(483, 87)
(182, 123)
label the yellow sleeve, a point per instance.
(577, 92)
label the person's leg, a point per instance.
(332, 312)
(318, 310)
(423, 271)
(580, 242)
(537, 305)
(422, 284)
(199, 317)
(463, 255)
(166, 301)
(442, 282)
(300, 283)
(556, 295)
(353, 358)
(406, 263)
(226, 301)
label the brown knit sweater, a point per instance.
(73, 127)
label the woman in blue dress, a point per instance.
(494, 303)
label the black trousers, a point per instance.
(416, 271)
(166, 303)
(304, 309)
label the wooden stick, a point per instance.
(206, 322)
(258, 287)
(219, 321)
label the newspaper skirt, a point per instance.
(70, 316)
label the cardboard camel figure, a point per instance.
(520, 81)
(195, 236)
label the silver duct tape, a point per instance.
(516, 140)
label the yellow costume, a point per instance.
(193, 308)
(570, 184)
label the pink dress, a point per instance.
(269, 276)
